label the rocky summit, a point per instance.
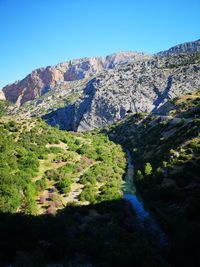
(42, 80)
(183, 48)
(87, 93)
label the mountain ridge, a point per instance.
(40, 80)
(193, 46)
(83, 94)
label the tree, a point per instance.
(148, 169)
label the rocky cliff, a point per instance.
(88, 93)
(136, 88)
(189, 47)
(42, 80)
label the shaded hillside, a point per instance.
(166, 157)
(100, 235)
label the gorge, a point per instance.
(68, 193)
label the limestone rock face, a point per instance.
(135, 87)
(87, 93)
(189, 47)
(42, 80)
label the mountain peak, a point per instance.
(41, 80)
(188, 47)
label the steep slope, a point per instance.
(135, 86)
(42, 80)
(166, 157)
(93, 92)
(189, 47)
(139, 87)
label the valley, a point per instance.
(100, 162)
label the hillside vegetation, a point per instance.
(166, 156)
(44, 169)
(61, 200)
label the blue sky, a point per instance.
(36, 33)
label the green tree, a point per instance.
(148, 169)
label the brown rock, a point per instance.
(44, 79)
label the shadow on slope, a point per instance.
(104, 234)
(161, 97)
(69, 117)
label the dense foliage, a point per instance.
(35, 156)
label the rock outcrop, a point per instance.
(189, 47)
(84, 94)
(135, 87)
(42, 80)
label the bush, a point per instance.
(88, 178)
(148, 169)
(64, 185)
(55, 150)
(41, 184)
(89, 193)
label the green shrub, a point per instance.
(64, 185)
(89, 193)
(41, 184)
(55, 150)
(148, 169)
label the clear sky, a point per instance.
(36, 33)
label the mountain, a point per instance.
(189, 47)
(87, 93)
(42, 80)
(136, 86)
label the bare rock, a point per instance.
(2, 96)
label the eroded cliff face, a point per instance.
(42, 80)
(87, 93)
(143, 87)
(189, 47)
